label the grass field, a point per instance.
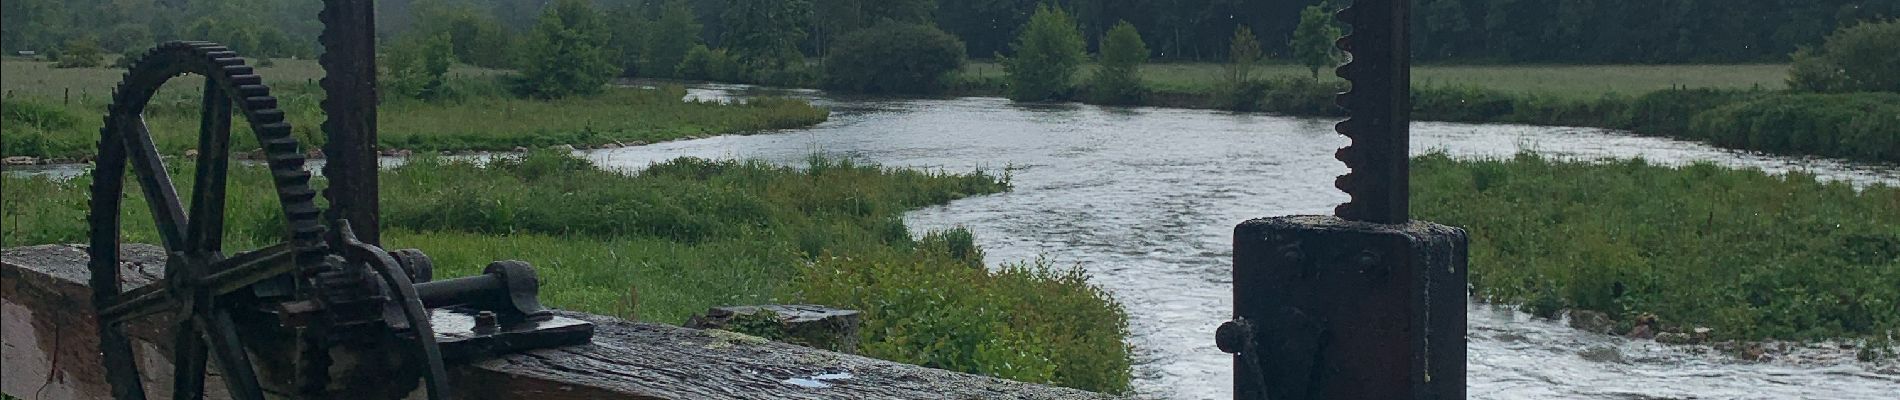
(690, 234)
(40, 79)
(1566, 81)
(1751, 255)
(42, 121)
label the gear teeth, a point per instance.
(226, 70)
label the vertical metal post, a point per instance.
(1380, 107)
(1367, 304)
(349, 64)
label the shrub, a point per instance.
(1668, 112)
(570, 53)
(1313, 39)
(415, 66)
(81, 53)
(1862, 126)
(1243, 51)
(1461, 103)
(1863, 57)
(894, 58)
(130, 56)
(1118, 81)
(710, 65)
(1048, 53)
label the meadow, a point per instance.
(1747, 254)
(479, 115)
(1577, 82)
(689, 234)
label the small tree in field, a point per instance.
(417, 65)
(82, 53)
(1313, 39)
(1048, 53)
(1118, 81)
(1863, 57)
(568, 53)
(1242, 53)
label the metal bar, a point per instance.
(349, 64)
(204, 232)
(1379, 104)
(459, 291)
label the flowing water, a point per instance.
(1145, 199)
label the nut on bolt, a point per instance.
(1232, 336)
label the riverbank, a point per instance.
(480, 117)
(1662, 251)
(1743, 107)
(689, 234)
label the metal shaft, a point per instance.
(1379, 104)
(349, 64)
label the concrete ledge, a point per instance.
(47, 312)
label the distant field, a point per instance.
(40, 79)
(43, 122)
(1573, 81)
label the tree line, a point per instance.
(1544, 31)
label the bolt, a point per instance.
(1232, 336)
(486, 321)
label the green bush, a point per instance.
(1751, 255)
(81, 53)
(670, 42)
(1313, 39)
(1668, 112)
(570, 53)
(1048, 53)
(415, 66)
(1863, 57)
(706, 64)
(1118, 81)
(956, 244)
(1864, 126)
(894, 58)
(1030, 322)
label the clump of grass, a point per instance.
(1033, 321)
(1751, 255)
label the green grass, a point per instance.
(1751, 255)
(1580, 82)
(690, 234)
(481, 116)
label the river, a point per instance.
(1146, 199)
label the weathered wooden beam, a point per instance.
(48, 319)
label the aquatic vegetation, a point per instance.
(1748, 254)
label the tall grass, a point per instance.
(689, 234)
(1751, 255)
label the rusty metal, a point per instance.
(327, 289)
(201, 308)
(1379, 107)
(349, 65)
(1367, 304)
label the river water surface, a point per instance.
(1146, 199)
